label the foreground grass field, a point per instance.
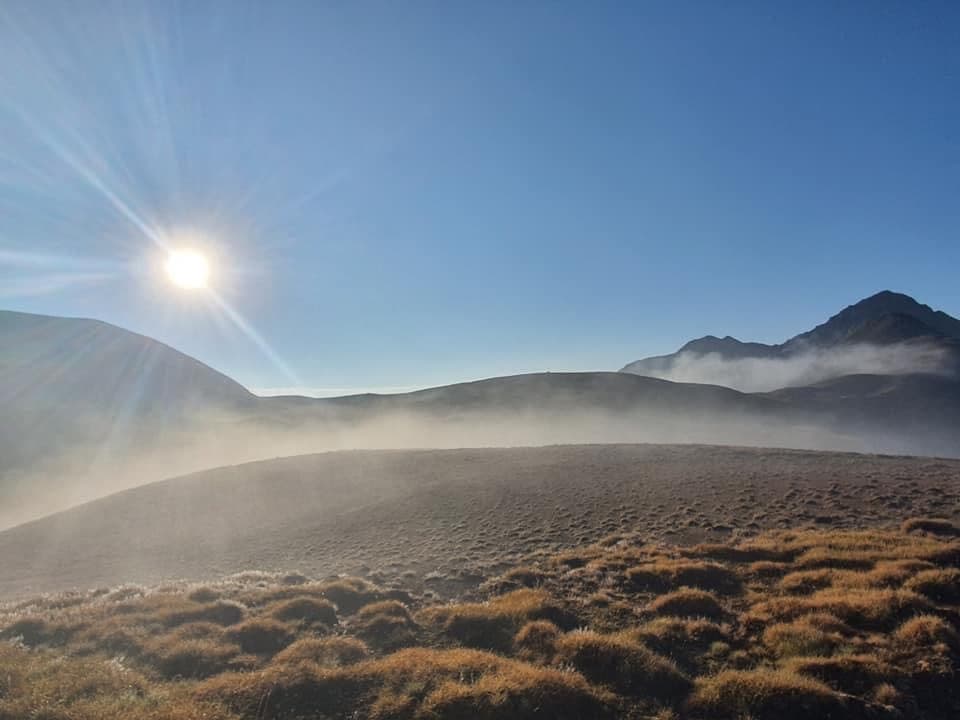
(790, 624)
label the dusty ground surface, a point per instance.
(450, 518)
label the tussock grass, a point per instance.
(350, 594)
(864, 609)
(624, 664)
(326, 652)
(675, 635)
(941, 585)
(260, 636)
(305, 610)
(687, 602)
(790, 624)
(765, 694)
(801, 637)
(857, 674)
(412, 683)
(493, 624)
(926, 631)
(180, 657)
(537, 640)
(934, 526)
(386, 625)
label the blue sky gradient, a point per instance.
(404, 194)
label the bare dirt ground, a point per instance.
(450, 518)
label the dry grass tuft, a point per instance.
(412, 683)
(330, 652)
(925, 631)
(178, 657)
(802, 638)
(492, 625)
(863, 609)
(939, 585)
(219, 612)
(934, 526)
(765, 694)
(350, 594)
(677, 636)
(537, 640)
(260, 636)
(386, 625)
(856, 674)
(687, 602)
(624, 664)
(305, 610)
(666, 574)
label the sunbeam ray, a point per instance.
(247, 329)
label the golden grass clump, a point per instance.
(220, 612)
(178, 657)
(801, 637)
(939, 585)
(806, 582)
(537, 640)
(350, 594)
(687, 602)
(925, 631)
(856, 674)
(624, 664)
(492, 625)
(525, 576)
(777, 694)
(676, 635)
(934, 526)
(524, 692)
(666, 574)
(305, 610)
(260, 636)
(386, 625)
(867, 609)
(41, 686)
(330, 652)
(416, 682)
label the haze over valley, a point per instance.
(94, 408)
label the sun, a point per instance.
(188, 269)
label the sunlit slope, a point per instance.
(455, 512)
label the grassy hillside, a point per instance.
(787, 624)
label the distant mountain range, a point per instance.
(90, 408)
(884, 319)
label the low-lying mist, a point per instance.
(80, 475)
(807, 367)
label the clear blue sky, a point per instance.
(405, 194)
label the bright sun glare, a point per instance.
(188, 269)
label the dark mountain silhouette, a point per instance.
(850, 320)
(884, 319)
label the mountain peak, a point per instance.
(728, 346)
(849, 321)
